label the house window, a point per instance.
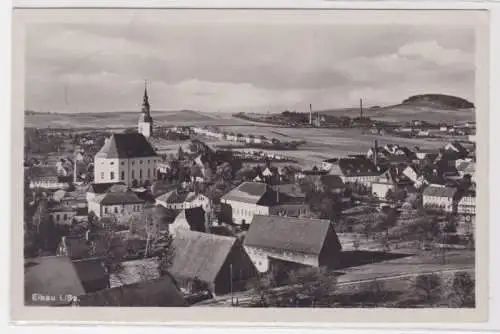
(65, 217)
(140, 162)
(123, 175)
(133, 162)
(57, 217)
(123, 163)
(102, 175)
(140, 174)
(149, 173)
(112, 163)
(112, 175)
(105, 210)
(149, 161)
(133, 174)
(116, 209)
(154, 172)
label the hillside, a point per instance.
(439, 101)
(115, 119)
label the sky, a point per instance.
(101, 67)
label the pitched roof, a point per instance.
(301, 235)
(439, 191)
(77, 247)
(161, 292)
(126, 145)
(111, 198)
(135, 271)
(252, 193)
(52, 276)
(89, 270)
(42, 171)
(357, 167)
(333, 181)
(200, 255)
(195, 217)
(101, 188)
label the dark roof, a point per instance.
(252, 193)
(101, 188)
(112, 198)
(77, 247)
(290, 189)
(300, 235)
(126, 145)
(90, 270)
(195, 217)
(200, 255)
(439, 191)
(161, 292)
(175, 196)
(357, 167)
(332, 181)
(52, 276)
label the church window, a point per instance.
(133, 174)
(140, 174)
(65, 217)
(149, 173)
(140, 162)
(116, 209)
(123, 163)
(112, 175)
(123, 175)
(133, 162)
(102, 175)
(149, 161)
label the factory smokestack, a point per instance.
(361, 108)
(310, 114)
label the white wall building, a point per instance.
(127, 158)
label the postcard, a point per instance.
(257, 166)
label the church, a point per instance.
(129, 157)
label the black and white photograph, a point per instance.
(291, 161)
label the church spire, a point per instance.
(145, 101)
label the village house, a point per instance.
(95, 190)
(92, 274)
(45, 177)
(356, 170)
(119, 205)
(127, 158)
(251, 198)
(194, 219)
(179, 200)
(467, 204)
(47, 278)
(160, 292)
(62, 215)
(391, 180)
(440, 198)
(219, 262)
(311, 242)
(457, 150)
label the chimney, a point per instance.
(310, 114)
(375, 153)
(361, 108)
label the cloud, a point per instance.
(242, 67)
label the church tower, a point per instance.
(145, 125)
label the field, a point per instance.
(321, 143)
(399, 113)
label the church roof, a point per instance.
(126, 145)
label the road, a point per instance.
(244, 298)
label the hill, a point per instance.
(439, 101)
(114, 119)
(426, 107)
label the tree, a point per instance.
(428, 287)
(316, 283)
(262, 286)
(376, 292)
(389, 195)
(463, 289)
(113, 250)
(167, 254)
